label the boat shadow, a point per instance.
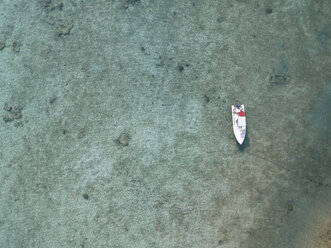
(244, 145)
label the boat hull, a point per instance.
(239, 123)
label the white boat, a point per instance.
(239, 122)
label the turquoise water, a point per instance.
(116, 126)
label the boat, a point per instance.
(239, 122)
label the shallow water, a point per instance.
(116, 125)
